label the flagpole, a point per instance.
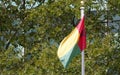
(82, 53)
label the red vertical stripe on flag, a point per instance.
(82, 40)
(80, 25)
(82, 32)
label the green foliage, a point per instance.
(39, 26)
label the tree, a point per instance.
(40, 25)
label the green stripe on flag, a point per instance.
(69, 55)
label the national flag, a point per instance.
(73, 44)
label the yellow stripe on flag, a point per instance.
(68, 43)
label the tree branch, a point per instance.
(8, 43)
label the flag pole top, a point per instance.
(82, 3)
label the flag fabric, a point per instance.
(73, 44)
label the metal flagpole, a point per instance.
(83, 65)
(82, 53)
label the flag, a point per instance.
(73, 44)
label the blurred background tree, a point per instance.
(38, 26)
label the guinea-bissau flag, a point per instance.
(73, 44)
